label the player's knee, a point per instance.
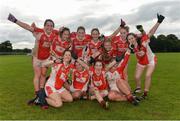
(43, 75)
(137, 77)
(76, 95)
(69, 99)
(58, 104)
(111, 96)
(148, 77)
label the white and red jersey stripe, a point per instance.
(98, 81)
(119, 45)
(59, 46)
(79, 45)
(93, 47)
(80, 79)
(43, 43)
(148, 56)
(62, 75)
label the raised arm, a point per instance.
(13, 19)
(118, 29)
(155, 27)
(74, 56)
(124, 61)
(117, 60)
(85, 65)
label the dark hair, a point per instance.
(106, 40)
(95, 29)
(67, 50)
(49, 20)
(80, 27)
(131, 34)
(126, 28)
(101, 61)
(63, 30)
(138, 40)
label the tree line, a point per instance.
(162, 43)
(7, 48)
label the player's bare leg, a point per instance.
(116, 96)
(66, 96)
(138, 74)
(149, 72)
(54, 100)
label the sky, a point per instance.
(103, 14)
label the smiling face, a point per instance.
(48, 27)
(123, 33)
(80, 34)
(95, 35)
(65, 35)
(107, 45)
(78, 66)
(67, 56)
(131, 39)
(98, 66)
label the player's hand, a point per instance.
(33, 25)
(140, 28)
(123, 23)
(74, 55)
(12, 18)
(61, 28)
(102, 37)
(160, 18)
(119, 58)
(131, 46)
(92, 60)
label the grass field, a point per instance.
(16, 89)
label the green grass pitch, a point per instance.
(16, 88)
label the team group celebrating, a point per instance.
(88, 66)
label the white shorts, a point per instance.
(114, 87)
(103, 93)
(84, 89)
(152, 62)
(38, 62)
(72, 89)
(49, 89)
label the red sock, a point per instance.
(145, 93)
(129, 97)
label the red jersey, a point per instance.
(148, 56)
(62, 75)
(59, 46)
(94, 47)
(43, 43)
(119, 45)
(107, 57)
(79, 45)
(123, 63)
(99, 81)
(80, 79)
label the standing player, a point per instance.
(80, 42)
(61, 43)
(145, 57)
(120, 45)
(95, 44)
(41, 53)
